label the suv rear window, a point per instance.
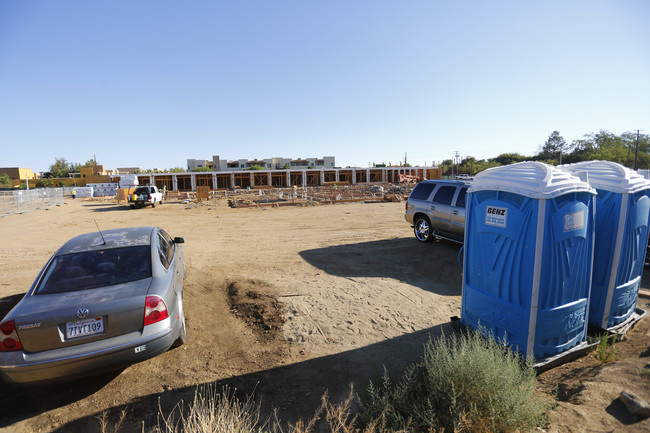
(422, 191)
(445, 194)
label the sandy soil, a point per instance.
(285, 303)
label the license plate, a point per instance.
(81, 328)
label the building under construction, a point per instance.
(252, 179)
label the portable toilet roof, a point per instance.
(608, 175)
(530, 179)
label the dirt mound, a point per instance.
(259, 310)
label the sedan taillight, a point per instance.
(155, 310)
(9, 341)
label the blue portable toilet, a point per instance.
(622, 213)
(529, 239)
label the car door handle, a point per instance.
(455, 212)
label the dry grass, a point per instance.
(215, 412)
(106, 427)
(212, 412)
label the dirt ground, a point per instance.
(286, 303)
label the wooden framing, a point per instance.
(279, 179)
(261, 178)
(242, 180)
(184, 182)
(313, 178)
(345, 176)
(223, 181)
(204, 179)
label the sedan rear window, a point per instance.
(93, 269)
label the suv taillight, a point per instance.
(9, 341)
(155, 310)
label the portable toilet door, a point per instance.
(528, 256)
(622, 214)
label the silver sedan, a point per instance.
(103, 301)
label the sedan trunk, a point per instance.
(52, 321)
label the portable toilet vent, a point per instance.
(529, 239)
(622, 213)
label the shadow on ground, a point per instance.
(430, 266)
(107, 207)
(9, 302)
(294, 390)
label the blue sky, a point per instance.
(152, 83)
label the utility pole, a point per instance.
(456, 158)
(636, 150)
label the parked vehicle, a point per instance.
(436, 209)
(102, 301)
(144, 195)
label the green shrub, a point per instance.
(461, 384)
(606, 349)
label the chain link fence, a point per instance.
(20, 201)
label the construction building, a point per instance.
(251, 179)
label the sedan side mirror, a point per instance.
(178, 240)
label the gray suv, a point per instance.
(436, 209)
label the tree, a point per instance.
(76, 167)
(176, 170)
(60, 168)
(553, 148)
(5, 181)
(42, 183)
(508, 158)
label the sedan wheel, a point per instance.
(422, 230)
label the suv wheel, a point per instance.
(422, 229)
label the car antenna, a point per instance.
(100, 232)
